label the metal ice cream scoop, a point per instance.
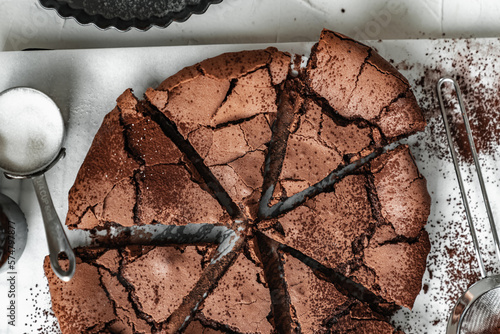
(31, 137)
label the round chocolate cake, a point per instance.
(323, 212)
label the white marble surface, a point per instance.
(24, 24)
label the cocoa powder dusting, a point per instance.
(452, 265)
(479, 82)
(482, 105)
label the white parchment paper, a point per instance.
(85, 84)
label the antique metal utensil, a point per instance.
(478, 309)
(31, 137)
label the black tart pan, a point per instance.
(127, 14)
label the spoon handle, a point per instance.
(56, 237)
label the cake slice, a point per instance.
(369, 227)
(353, 101)
(134, 175)
(318, 307)
(358, 83)
(241, 302)
(113, 291)
(394, 259)
(225, 107)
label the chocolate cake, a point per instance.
(322, 225)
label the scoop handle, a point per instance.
(463, 193)
(56, 237)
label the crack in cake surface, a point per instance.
(219, 192)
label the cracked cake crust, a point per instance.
(129, 155)
(352, 214)
(319, 307)
(116, 280)
(218, 143)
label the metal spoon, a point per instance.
(31, 136)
